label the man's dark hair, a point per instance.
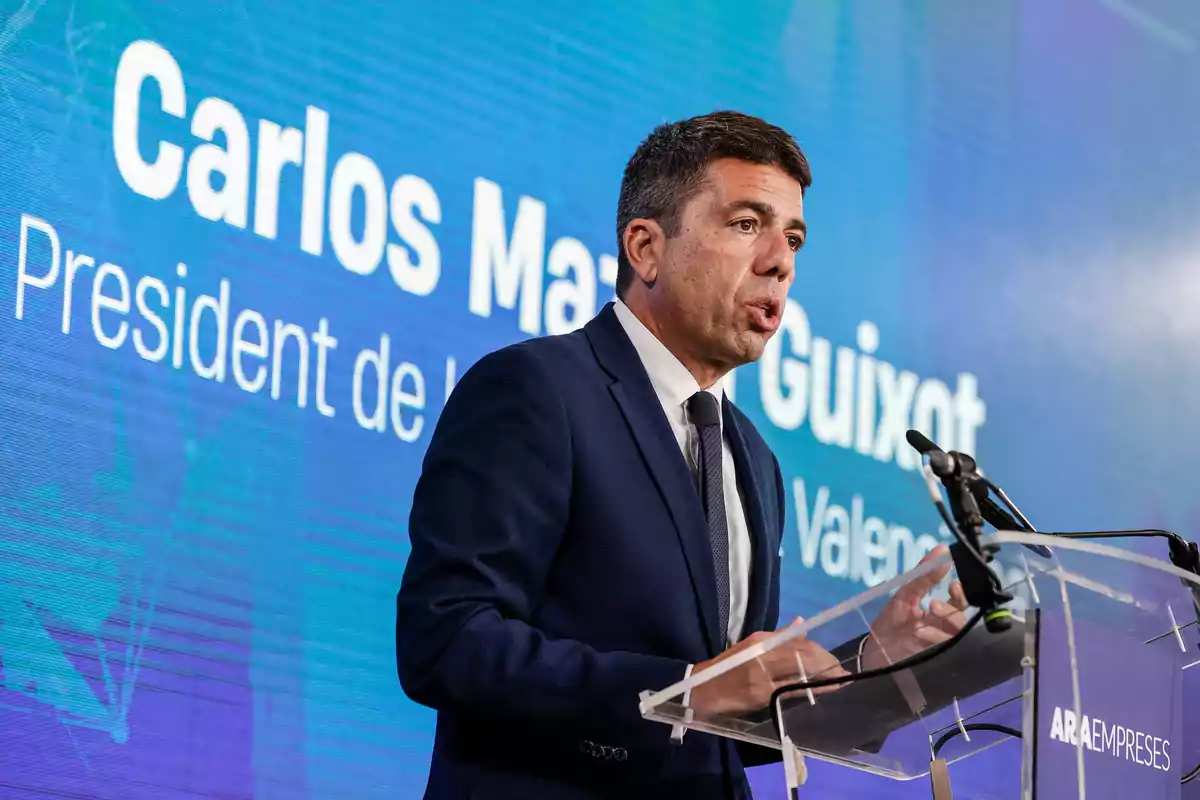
(669, 167)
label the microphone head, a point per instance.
(921, 443)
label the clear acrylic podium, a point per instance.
(1085, 687)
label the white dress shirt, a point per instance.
(674, 385)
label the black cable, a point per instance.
(1191, 776)
(941, 507)
(899, 666)
(1147, 532)
(975, 726)
(1184, 554)
(992, 577)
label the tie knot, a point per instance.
(704, 409)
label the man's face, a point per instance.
(722, 280)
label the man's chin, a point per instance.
(752, 344)
(743, 348)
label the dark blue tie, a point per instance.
(705, 412)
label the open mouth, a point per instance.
(765, 313)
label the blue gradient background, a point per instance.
(197, 584)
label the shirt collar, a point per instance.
(670, 378)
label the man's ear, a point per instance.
(644, 243)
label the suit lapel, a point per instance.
(635, 396)
(756, 521)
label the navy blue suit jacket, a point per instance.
(560, 565)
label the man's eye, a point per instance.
(795, 242)
(746, 225)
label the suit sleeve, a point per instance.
(489, 512)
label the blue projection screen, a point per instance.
(247, 248)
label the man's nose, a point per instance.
(779, 261)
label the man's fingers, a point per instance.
(919, 587)
(813, 671)
(779, 663)
(914, 590)
(958, 596)
(936, 552)
(941, 610)
(945, 616)
(806, 661)
(783, 663)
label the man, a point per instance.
(594, 518)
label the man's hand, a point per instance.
(903, 628)
(750, 686)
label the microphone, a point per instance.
(960, 475)
(980, 583)
(945, 465)
(941, 462)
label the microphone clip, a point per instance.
(960, 476)
(1185, 554)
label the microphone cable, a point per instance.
(898, 666)
(974, 726)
